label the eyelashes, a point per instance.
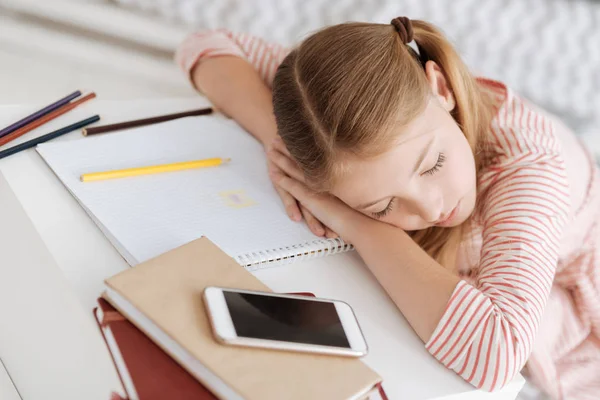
(385, 211)
(438, 164)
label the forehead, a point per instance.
(369, 179)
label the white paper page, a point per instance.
(234, 204)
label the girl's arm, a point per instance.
(235, 88)
(235, 72)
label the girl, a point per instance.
(478, 213)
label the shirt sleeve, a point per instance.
(487, 331)
(264, 57)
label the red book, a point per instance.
(146, 371)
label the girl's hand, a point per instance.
(295, 210)
(329, 210)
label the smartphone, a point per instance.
(284, 322)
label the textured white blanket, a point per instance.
(548, 50)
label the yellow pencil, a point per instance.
(153, 169)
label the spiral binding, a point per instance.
(291, 254)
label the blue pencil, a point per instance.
(38, 114)
(34, 142)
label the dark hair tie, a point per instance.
(404, 28)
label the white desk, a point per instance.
(8, 391)
(48, 343)
(85, 258)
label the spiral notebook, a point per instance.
(234, 205)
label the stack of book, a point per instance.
(155, 325)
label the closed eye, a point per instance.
(438, 164)
(385, 211)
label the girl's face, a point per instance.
(427, 179)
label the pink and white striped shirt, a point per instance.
(533, 254)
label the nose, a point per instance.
(429, 206)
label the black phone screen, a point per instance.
(284, 319)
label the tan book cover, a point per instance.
(167, 290)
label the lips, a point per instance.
(450, 217)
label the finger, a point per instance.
(315, 226)
(279, 145)
(329, 234)
(297, 189)
(276, 172)
(290, 204)
(286, 164)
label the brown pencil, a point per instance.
(46, 118)
(146, 121)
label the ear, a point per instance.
(439, 85)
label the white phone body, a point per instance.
(327, 338)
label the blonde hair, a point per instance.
(342, 90)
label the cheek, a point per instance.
(459, 177)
